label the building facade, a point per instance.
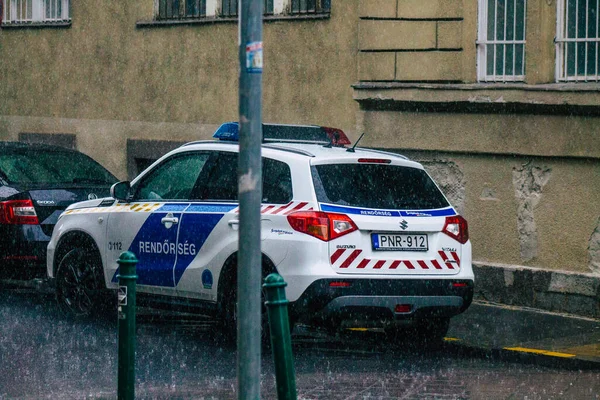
(499, 99)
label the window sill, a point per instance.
(221, 20)
(36, 25)
(553, 99)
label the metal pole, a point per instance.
(281, 340)
(126, 311)
(250, 195)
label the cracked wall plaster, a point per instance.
(528, 181)
(594, 250)
(450, 179)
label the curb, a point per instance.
(557, 291)
(574, 363)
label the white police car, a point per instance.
(361, 236)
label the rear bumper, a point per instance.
(376, 300)
(22, 251)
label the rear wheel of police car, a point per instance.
(228, 300)
(80, 289)
(427, 333)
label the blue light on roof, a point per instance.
(228, 131)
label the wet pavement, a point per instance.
(45, 355)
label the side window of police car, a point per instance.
(174, 179)
(222, 184)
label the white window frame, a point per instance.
(561, 41)
(483, 42)
(23, 12)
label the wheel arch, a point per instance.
(71, 240)
(229, 273)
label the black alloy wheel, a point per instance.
(79, 283)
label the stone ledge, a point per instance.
(558, 291)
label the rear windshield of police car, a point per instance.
(377, 186)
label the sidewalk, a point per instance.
(526, 331)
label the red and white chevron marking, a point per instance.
(353, 259)
(286, 209)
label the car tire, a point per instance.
(229, 313)
(80, 288)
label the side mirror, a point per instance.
(120, 190)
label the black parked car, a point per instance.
(37, 182)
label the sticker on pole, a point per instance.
(254, 57)
(122, 295)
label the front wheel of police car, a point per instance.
(79, 283)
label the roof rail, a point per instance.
(204, 141)
(290, 150)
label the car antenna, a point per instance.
(351, 149)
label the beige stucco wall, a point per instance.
(104, 68)
(543, 135)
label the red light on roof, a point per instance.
(374, 160)
(337, 136)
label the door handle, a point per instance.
(169, 220)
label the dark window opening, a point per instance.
(229, 8)
(142, 153)
(310, 6)
(181, 9)
(66, 140)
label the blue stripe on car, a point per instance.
(449, 211)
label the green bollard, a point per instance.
(281, 341)
(126, 311)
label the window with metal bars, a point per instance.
(501, 40)
(181, 9)
(22, 12)
(229, 8)
(577, 37)
(310, 6)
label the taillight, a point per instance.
(18, 212)
(456, 227)
(322, 225)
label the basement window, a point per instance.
(35, 12)
(501, 40)
(577, 37)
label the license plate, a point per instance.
(399, 242)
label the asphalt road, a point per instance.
(45, 355)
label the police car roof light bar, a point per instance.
(229, 131)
